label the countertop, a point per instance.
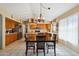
(11, 33)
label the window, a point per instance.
(68, 29)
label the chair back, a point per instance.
(30, 37)
(26, 36)
(40, 42)
(48, 36)
(55, 36)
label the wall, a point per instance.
(68, 29)
(5, 13)
(0, 31)
(68, 13)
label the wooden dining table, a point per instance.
(46, 40)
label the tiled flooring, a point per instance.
(18, 49)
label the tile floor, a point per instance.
(18, 49)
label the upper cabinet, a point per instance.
(33, 25)
(41, 26)
(9, 24)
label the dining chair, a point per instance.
(40, 43)
(30, 37)
(50, 45)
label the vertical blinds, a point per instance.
(68, 29)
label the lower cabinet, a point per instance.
(7, 40)
(10, 38)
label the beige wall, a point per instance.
(68, 13)
(5, 13)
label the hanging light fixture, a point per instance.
(41, 18)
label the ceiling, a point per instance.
(27, 10)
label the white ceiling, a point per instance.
(26, 10)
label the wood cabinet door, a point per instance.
(7, 41)
(11, 38)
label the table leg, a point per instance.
(26, 48)
(44, 51)
(37, 49)
(54, 49)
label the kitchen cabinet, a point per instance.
(42, 26)
(33, 25)
(9, 23)
(10, 38)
